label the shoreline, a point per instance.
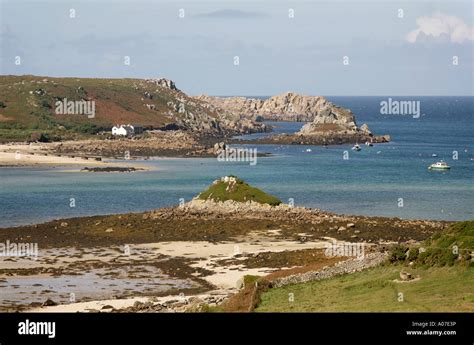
(212, 245)
(171, 207)
(39, 155)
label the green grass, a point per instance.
(240, 191)
(453, 246)
(117, 101)
(446, 284)
(439, 289)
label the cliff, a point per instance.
(322, 114)
(327, 123)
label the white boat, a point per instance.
(434, 155)
(368, 143)
(356, 147)
(308, 150)
(439, 166)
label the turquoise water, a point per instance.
(370, 182)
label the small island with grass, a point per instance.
(235, 189)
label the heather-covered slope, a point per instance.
(28, 104)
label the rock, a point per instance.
(64, 224)
(350, 225)
(287, 107)
(163, 82)
(365, 129)
(341, 228)
(219, 147)
(49, 303)
(356, 231)
(40, 92)
(38, 137)
(148, 95)
(331, 118)
(405, 276)
(322, 116)
(109, 230)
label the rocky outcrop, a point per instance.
(197, 115)
(285, 107)
(251, 208)
(322, 115)
(331, 119)
(163, 82)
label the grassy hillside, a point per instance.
(453, 246)
(374, 290)
(27, 105)
(236, 189)
(444, 281)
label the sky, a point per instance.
(251, 48)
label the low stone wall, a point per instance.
(343, 267)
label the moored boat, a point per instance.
(439, 166)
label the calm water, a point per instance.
(370, 182)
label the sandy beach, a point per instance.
(119, 276)
(38, 154)
(35, 154)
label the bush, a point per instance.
(398, 253)
(38, 137)
(413, 253)
(45, 104)
(448, 247)
(87, 128)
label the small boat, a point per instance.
(439, 166)
(434, 155)
(356, 147)
(368, 143)
(308, 150)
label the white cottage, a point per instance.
(123, 130)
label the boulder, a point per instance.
(49, 303)
(163, 82)
(365, 129)
(405, 276)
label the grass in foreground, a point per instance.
(439, 289)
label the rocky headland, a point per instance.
(175, 123)
(285, 107)
(327, 123)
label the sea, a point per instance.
(390, 179)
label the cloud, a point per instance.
(441, 27)
(229, 13)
